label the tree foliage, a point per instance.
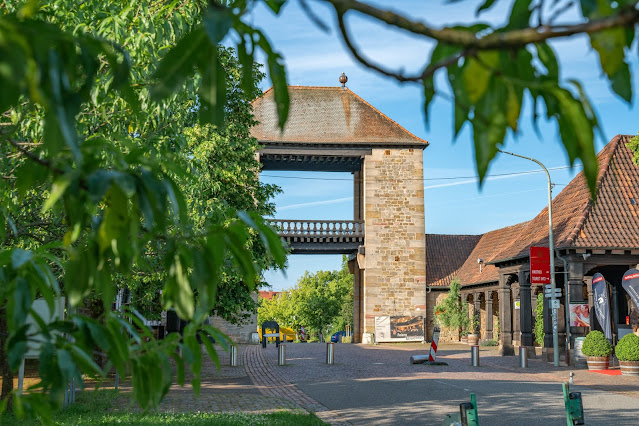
(95, 169)
(322, 302)
(492, 69)
(539, 320)
(452, 312)
(281, 309)
(633, 144)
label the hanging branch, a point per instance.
(502, 40)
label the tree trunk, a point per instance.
(7, 374)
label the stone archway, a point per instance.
(333, 129)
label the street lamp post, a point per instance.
(553, 297)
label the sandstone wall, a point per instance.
(394, 280)
(237, 333)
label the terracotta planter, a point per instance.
(464, 339)
(598, 362)
(473, 339)
(629, 368)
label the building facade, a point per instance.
(600, 235)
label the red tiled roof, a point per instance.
(611, 222)
(445, 254)
(328, 115)
(264, 294)
(487, 247)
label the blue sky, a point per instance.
(452, 206)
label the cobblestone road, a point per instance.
(377, 385)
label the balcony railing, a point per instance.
(320, 235)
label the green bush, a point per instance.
(596, 344)
(452, 313)
(628, 348)
(492, 342)
(346, 339)
(539, 320)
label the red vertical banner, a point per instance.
(539, 265)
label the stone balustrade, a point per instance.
(320, 236)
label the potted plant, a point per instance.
(597, 350)
(464, 336)
(473, 336)
(627, 352)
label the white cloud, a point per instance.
(314, 203)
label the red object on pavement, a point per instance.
(607, 372)
(539, 265)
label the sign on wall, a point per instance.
(399, 328)
(579, 314)
(539, 265)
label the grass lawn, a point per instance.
(95, 408)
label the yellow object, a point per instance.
(286, 334)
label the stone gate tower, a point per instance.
(333, 129)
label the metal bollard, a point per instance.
(474, 355)
(233, 355)
(330, 353)
(523, 357)
(281, 354)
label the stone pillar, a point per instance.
(357, 300)
(358, 194)
(488, 297)
(525, 311)
(477, 313)
(395, 245)
(505, 317)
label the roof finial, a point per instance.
(343, 79)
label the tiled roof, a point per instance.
(445, 254)
(612, 222)
(328, 115)
(489, 244)
(265, 294)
